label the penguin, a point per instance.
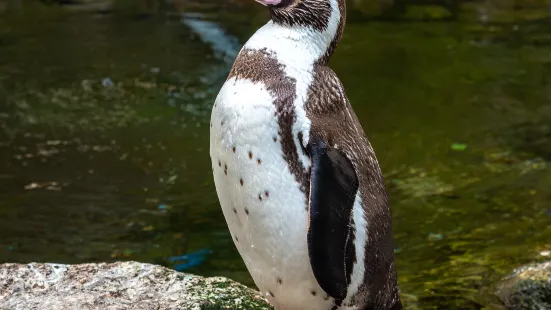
(298, 182)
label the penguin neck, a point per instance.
(306, 33)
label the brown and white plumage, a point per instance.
(299, 184)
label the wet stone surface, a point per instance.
(124, 285)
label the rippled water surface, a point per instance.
(104, 137)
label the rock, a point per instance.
(528, 287)
(121, 285)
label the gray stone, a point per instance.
(118, 286)
(528, 287)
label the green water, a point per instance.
(104, 139)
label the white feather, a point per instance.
(360, 225)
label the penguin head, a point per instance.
(312, 13)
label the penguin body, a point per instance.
(263, 204)
(298, 182)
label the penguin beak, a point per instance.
(269, 2)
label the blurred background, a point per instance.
(105, 106)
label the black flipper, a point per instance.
(333, 188)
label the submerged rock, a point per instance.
(528, 287)
(121, 285)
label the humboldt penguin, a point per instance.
(298, 182)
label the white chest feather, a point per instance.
(260, 198)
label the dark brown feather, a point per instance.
(334, 120)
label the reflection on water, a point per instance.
(224, 46)
(104, 137)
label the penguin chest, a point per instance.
(263, 205)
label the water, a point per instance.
(104, 138)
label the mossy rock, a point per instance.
(120, 285)
(527, 288)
